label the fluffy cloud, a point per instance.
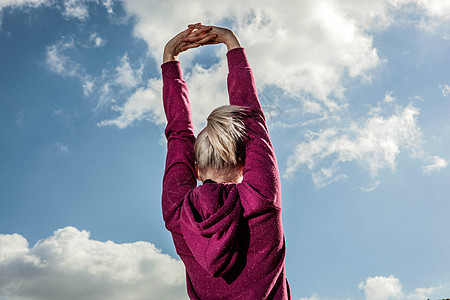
(423, 293)
(308, 46)
(70, 9)
(76, 9)
(112, 83)
(70, 265)
(295, 67)
(382, 288)
(445, 88)
(388, 288)
(109, 6)
(18, 3)
(144, 104)
(433, 8)
(60, 63)
(96, 41)
(317, 71)
(207, 90)
(437, 164)
(385, 288)
(126, 75)
(374, 144)
(313, 297)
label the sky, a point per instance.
(357, 99)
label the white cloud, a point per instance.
(434, 8)
(435, 14)
(326, 176)
(445, 88)
(109, 6)
(207, 90)
(437, 164)
(340, 45)
(144, 104)
(317, 71)
(127, 76)
(96, 41)
(388, 288)
(371, 187)
(374, 144)
(60, 63)
(382, 288)
(88, 86)
(313, 297)
(331, 42)
(388, 98)
(69, 265)
(18, 3)
(423, 293)
(75, 9)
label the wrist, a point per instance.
(232, 42)
(169, 55)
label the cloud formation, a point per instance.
(387, 288)
(69, 265)
(445, 88)
(127, 76)
(76, 9)
(390, 288)
(382, 288)
(374, 144)
(19, 3)
(311, 49)
(295, 66)
(60, 63)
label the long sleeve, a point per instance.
(179, 176)
(260, 174)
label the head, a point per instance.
(219, 146)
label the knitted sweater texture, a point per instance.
(229, 236)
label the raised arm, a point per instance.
(260, 173)
(179, 176)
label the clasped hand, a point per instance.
(197, 35)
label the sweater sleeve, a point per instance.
(179, 176)
(260, 174)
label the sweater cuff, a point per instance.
(171, 70)
(237, 58)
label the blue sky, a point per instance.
(357, 96)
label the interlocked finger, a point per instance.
(200, 42)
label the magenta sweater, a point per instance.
(229, 236)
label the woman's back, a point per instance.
(228, 235)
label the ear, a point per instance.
(197, 173)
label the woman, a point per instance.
(227, 231)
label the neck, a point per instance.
(236, 177)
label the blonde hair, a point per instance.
(219, 146)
